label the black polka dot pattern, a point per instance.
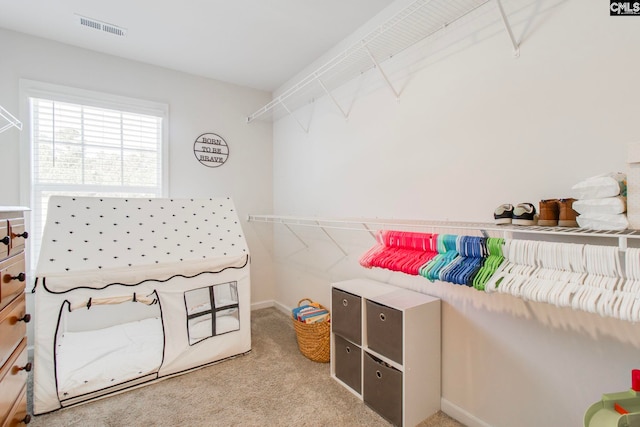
(90, 233)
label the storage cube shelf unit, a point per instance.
(385, 348)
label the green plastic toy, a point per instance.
(617, 409)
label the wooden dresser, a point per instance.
(14, 363)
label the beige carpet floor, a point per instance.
(273, 385)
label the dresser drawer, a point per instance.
(13, 378)
(12, 329)
(18, 415)
(5, 238)
(12, 278)
(17, 234)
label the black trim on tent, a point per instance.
(154, 374)
(164, 333)
(212, 302)
(146, 280)
(55, 342)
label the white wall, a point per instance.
(196, 105)
(475, 127)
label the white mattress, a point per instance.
(93, 360)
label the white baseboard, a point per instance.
(262, 304)
(283, 308)
(466, 418)
(271, 303)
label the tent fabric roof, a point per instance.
(85, 234)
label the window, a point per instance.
(212, 311)
(90, 144)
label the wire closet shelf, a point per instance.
(7, 120)
(416, 22)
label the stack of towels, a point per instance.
(602, 202)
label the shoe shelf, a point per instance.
(370, 225)
(418, 21)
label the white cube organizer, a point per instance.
(386, 348)
(633, 185)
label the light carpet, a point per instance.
(273, 385)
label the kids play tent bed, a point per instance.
(130, 291)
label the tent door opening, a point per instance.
(105, 345)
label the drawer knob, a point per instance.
(345, 302)
(20, 277)
(383, 317)
(6, 240)
(24, 235)
(348, 349)
(26, 419)
(26, 318)
(26, 367)
(378, 374)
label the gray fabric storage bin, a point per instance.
(384, 331)
(348, 363)
(346, 315)
(382, 389)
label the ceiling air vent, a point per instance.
(101, 26)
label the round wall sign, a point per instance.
(211, 150)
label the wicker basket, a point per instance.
(313, 338)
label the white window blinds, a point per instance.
(77, 145)
(86, 150)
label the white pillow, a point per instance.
(603, 222)
(601, 186)
(608, 206)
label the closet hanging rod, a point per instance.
(11, 120)
(367, 224)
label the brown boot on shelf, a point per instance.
(567, 216)
(549, 212)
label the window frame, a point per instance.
(213, 310)
(36, 89)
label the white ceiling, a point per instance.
(254, 43)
